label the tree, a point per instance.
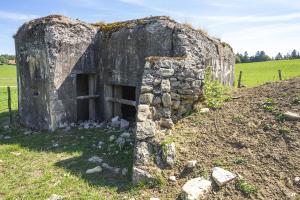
(279, 56)
(245, 58)
(294, 54)
(238, 58)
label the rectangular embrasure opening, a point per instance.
(82, 84)
(128, 111)
(85, 92)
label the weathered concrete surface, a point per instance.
(50, 52)
(162, 60)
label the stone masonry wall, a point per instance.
(171, 86)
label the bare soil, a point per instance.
(246, 139)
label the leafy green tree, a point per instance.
(278, 56)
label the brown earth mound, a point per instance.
(248, 136)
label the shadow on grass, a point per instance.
(81, 145)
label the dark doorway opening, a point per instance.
(83, 109)
(82, 84)
(85, 92)
(128, 112)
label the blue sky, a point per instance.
(270, 25)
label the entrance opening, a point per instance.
(121, 101)
(83, 109)
(128, 112)
(82, 84)
(85, 92)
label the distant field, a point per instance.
(255, 74)
(8, 75)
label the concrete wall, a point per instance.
(50, 52)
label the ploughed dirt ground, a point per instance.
(244, 137)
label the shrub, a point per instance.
(246, 188)
(214, 92)
(269, 104)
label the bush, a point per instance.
(214, 92)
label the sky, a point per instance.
(269, 25)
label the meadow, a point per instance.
(255, 74)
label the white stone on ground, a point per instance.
(204, 110)
(105, 165)
(222, 176)
(27, 132)
(172, 178)
(115, 122)
(95, 159)
(191, 164)
(154, 198)
(16, 153)
(124, 124)
(94, 170)
(55, 197)
(120, 142)
(196, 189)
(125, 135)
(291, 116)
(112, 138)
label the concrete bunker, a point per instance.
(149, 71)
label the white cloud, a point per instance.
(16, 16)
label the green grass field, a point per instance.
(8, 75)
(255, 74)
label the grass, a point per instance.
(255, 74)
(7, 78)
(43, 168)
(8, 75)
(246, 188)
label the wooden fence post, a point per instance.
(9, 104)
(279, 74)
(240, 79)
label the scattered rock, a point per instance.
(55, 197)
(154, 198)
(95, 159)
(120, 142)
(105, 165)
(196, 189)
(140, 175)
(191, 164)
(204, 110)
(27, 132)
(112, 138)
(125, 135)
(124, 124)
(6, 127)
(169, 153)
(115, 122)
(222, 176)
(16, 153)
(55, 145)
(6, 137)
(94, 170)
(291, 116)
(172, 179)
(297, 180)
(124, 171)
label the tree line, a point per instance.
(4, 59)
(261, 56)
